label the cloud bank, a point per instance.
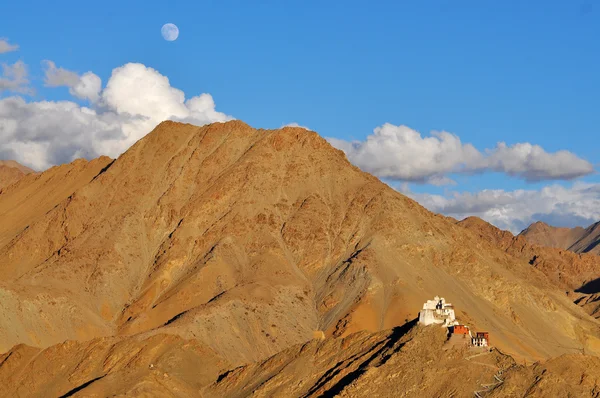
(578, 204)
(136, 98)
(401, 153)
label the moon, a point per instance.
(169, 32)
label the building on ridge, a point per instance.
(460, 329)
(459, 335)
(481, 339)
(438, 312)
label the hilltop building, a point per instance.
(481, 339)
(460, 335)
(438, 312)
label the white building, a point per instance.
(481, 339)
(437, 311)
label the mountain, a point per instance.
(578, 239)
(34, 195)
(577, 274)
(221, 246)
(15, 165)
(589, 242)
(11, 172)
(567, 270)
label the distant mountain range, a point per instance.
(577, 240)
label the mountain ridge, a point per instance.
(11, 172)
(577, 239)
(576, 273)
(249, 242)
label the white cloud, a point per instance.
(40, 134)
(87, 86)
(135, 89)
(294, 124)
(401, 153)
(578, 204)
(6, 47)
(15, 78)
(532, 163)
(135, 100)
(56, 77)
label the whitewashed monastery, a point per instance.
(439, 312)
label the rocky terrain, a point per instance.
(408, 361)
(566, 269)
(576, 274)
(577, 240)
(205, 260)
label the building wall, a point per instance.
(437, 311)
(460, 329)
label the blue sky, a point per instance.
(510, 71)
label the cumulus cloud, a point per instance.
(577, 204)
(40, 134)
(86, 86)
(401, 153)
(15, 78)
(135, 89)
(532, 163)
(135, 100)
(6, 47)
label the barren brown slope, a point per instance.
(422, 368)
(35, 194)
(542, 234)
(16, 165)
(169, 366)
(249, 241)
(578, 239)
(161, 365)
(575, 273)
(406, 361)
(11, 172)
(566, 269)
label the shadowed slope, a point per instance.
(410, 361)
(589, 242)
